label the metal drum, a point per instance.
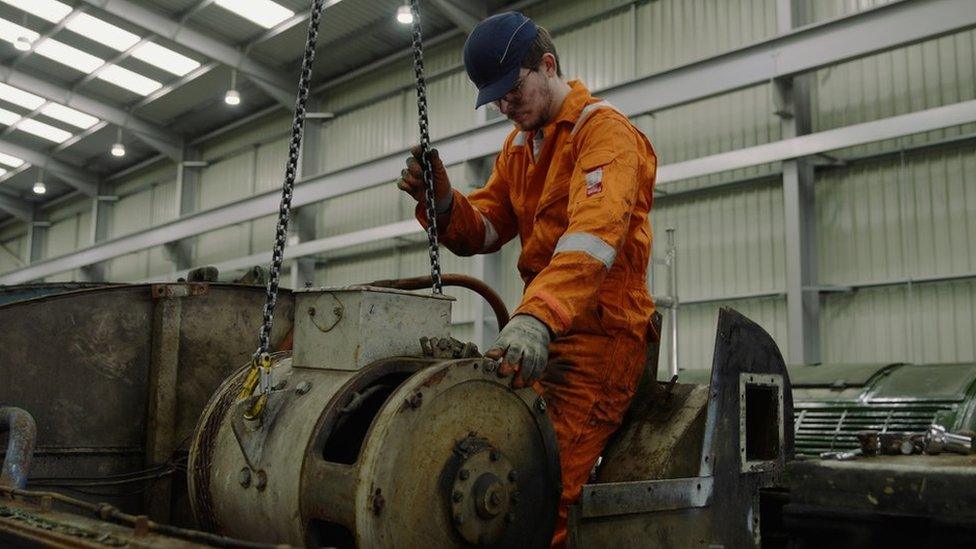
(426, 447)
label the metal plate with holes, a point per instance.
(621, 498)
(760, 447)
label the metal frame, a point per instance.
(845, 38)
(78, 178)
(802, 304)
(747, 380)
(378, 171)
(464, 15)
(272, 81)
(648, 496)
(153, 135)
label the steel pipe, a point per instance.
(20, 446)
(463, 281)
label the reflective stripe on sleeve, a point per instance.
(491, 235)
(591, 245)
(587, 111)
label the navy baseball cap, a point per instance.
(494, 51)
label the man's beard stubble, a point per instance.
(543, 118)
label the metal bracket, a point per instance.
(647, 496)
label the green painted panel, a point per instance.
(929, 381)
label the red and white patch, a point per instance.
(594, 182)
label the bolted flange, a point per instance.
(482, 493)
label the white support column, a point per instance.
(101, 205)
(186, 201)
(36, 236)
(792, 98)
(487, 267)
(304, 220)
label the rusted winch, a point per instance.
(371, 439)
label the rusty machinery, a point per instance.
(382, 431)
(371, 438)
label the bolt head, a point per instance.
(262, 481)
(513, 475)
(463, 474)
(458, 518)
(244, 477)
(311, 311)
(495, 498)
(540, 403)
(494, 455)
(516, 497)
(302, 388)
(457, 496)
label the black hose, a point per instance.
(20, 446)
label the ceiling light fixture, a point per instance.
(11, 161)
(49, 10)
(102, 32)
(165, 58)
(118, 149)
(19, 97)
(39, 186)
(404, 15)
(69, 115)
(261, 12)
(233, 97)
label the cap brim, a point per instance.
(497, 89)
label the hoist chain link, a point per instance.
(433, 248)
(291, 172)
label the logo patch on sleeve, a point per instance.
(594, 182)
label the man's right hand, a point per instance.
(412, 179)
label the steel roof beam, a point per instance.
(801, 51)
(155, 136)
(18, 207)
(199, 42)
(464, 15)
(79, 178)
(378, 172)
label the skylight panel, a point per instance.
(124, 78)
(164, 58)
(42, 130)
(51, 10)
(8, 118)
(102, 32)
(12, 31)
(69, 116)
(263, 12)
(11, 161)
(20, 97)
(67, 55)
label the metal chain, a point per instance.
(433, 248)
(291, 172)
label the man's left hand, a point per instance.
(523, 346)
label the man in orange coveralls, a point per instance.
(574, 181)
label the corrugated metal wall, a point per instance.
(900, 216)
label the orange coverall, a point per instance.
(578, 195)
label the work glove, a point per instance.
(523, 346)
(412, 180)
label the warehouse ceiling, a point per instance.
(72, 72)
